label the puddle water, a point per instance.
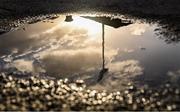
(72, 48)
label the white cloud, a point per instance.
(70, 61)
(23, 65)
(174, 77)
(120, 73)
(138, 29)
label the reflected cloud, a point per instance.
(19, 44)
(23, 65)
(78, 26)
(128, 50)
(74, 50)
(174, 77)
(126, 68)
(77, 61)
(58, 35)
(92, 27)
(138, 29)
(55, 32)
(120, 73)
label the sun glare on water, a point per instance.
(91, 26)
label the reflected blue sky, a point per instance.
(60, 49)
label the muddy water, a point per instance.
(139, 53)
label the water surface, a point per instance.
(139, 53)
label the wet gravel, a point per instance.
(36, 93)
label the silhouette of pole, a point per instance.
(103, 70)
(103, 60)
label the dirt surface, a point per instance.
(16, 12)
(34, 7)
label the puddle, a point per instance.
(138, 53)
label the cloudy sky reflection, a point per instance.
(73, 50)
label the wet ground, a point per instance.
(45, 94)
(22, 8)
(139, 54)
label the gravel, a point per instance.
(35, 93)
